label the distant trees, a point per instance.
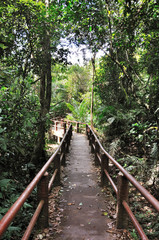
(127, 33)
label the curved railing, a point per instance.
(43, 187)
(123, 210)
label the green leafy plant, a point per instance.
(80, 110)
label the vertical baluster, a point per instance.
(104, 165)
(123, 191)
(42, 194)
(97, 150)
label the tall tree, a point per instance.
(45, 89)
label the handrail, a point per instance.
(63, 124)
(96, 147)
(135, 222)
(69, 121)
(12, 212)
(142, 190)
(33, 221)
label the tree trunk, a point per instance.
(92, 97)
(39, 156)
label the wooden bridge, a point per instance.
(86, 211)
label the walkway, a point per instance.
(84, 203)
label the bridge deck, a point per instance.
(84, 203)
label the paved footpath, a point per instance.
(84, 203)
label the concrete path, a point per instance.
(85, 214)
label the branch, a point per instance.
(36, 80)
(121, 67)
(57, 103)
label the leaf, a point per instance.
(12, 228)
(2, 46)
(111, 120)
(70, 204)
(104, 213)
(27, 205)
(4, 182)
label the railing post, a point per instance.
(57, 165)
(96, 151)
(123, 191)
(77, 127)
(104, 165)
(67, 143)
(87, 131)
(92, 143)
(90, 138)
(70, 134)
(42, 194)
(63, 151)
(64, 126)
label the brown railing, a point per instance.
(122, 190)
(43, 188)
(101, 158)
(62, 124)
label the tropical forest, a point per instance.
(89, 61)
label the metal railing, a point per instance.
(102, 158)
(122, 189)
(63, 124)
(43, 184)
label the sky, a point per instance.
(79, 55)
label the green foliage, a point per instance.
(134, 235)
(78, 82)
(126, 87)
(10, 190)
(80, 111)
(17, 123)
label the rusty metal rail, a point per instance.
(43, 187)
(63, 123)
(102, 158)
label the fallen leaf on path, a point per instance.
(104, 214)
(70, 204)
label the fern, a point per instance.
(114, 147)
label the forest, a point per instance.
(116, 93)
